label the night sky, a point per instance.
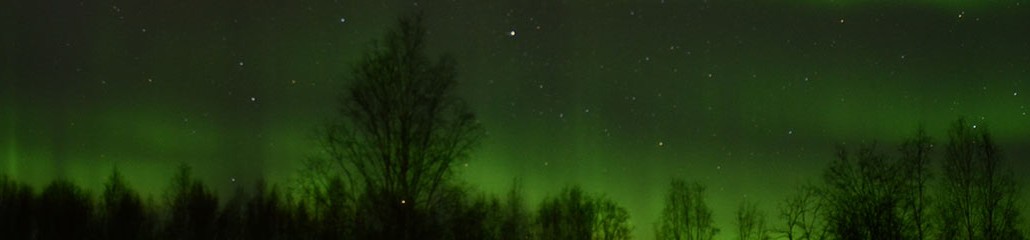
(747, 97)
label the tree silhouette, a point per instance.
(612, 221)
(16, 209)
(575, 215)
(265, 214)
(64, 212)
(193, 208)
(978, 196)
(686, 216)
(915, 171)
(399, 131)
(864, 195)
(122, 211)
(230, 223)
(465, 216)
(567, 216)
(515, 224)
(750, 222)
(802, 215)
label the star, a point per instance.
(253, 99)
(512, 33)
(343, 20)
(661, 144)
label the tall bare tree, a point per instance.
(802, 214)
(978, 194)
(400, 129)
(750, 222)
(686, 216)
(915, 171)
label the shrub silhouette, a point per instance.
(16, 209)
(64, 212)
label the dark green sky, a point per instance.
(747, 97)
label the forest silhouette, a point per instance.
(401, 127)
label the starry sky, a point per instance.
(747, 97)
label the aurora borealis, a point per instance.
(747, 97)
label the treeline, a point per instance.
(190, 210)
(962, 189)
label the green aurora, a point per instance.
(746, 97)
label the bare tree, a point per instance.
(978, 196)
(802, 215)
(864, 194)
(577, 215)
(192, 207)
(400, 129)
(914, 168)
(611, 222)
(122, 213)
(750, 222)
(515, 223)
(686, 216)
